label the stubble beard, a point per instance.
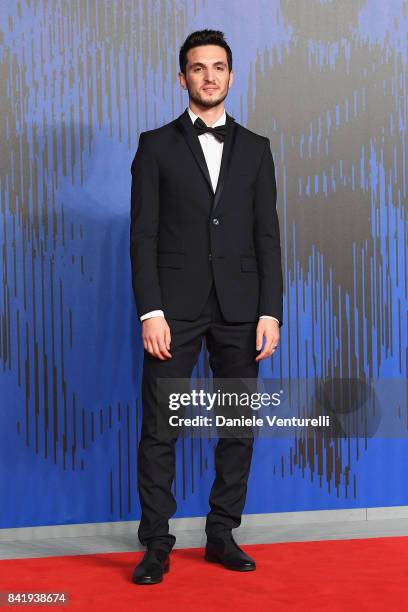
(206, 102)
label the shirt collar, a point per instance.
(220, 121)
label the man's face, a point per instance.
(207, 78)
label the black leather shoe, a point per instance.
(152, 567)
(227, 552)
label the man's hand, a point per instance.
(156, 337)
(270, 329)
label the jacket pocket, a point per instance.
(170, 260)
(249, 264)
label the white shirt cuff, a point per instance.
(152, 313)
(269, 317)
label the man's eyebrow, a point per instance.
(201, 64)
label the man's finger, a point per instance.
(265, 353)
(163, 349)
(167, 337)
(149, 346)
(259, 335)
(156, 349)
(268, 350)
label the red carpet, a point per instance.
(343, 575)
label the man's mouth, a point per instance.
(210, 88)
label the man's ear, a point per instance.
(231, 79)
(182, 80)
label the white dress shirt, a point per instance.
(212, 149)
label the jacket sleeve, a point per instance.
(144, 229)
(267, 238)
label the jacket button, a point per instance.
(209, 257)
(216, 221)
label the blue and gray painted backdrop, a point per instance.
(326, 81)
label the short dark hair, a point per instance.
(203, 37)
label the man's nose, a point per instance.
(210, 77)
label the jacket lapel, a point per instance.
(186, 127)
(226, 157)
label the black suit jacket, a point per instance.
(182, 234)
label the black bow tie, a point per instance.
(219, 132)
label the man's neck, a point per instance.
(208, 115)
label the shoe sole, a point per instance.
(166, 569)
(148, 581)
(211, 559)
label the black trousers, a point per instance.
(232, 352)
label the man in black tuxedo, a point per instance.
(206, 263)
